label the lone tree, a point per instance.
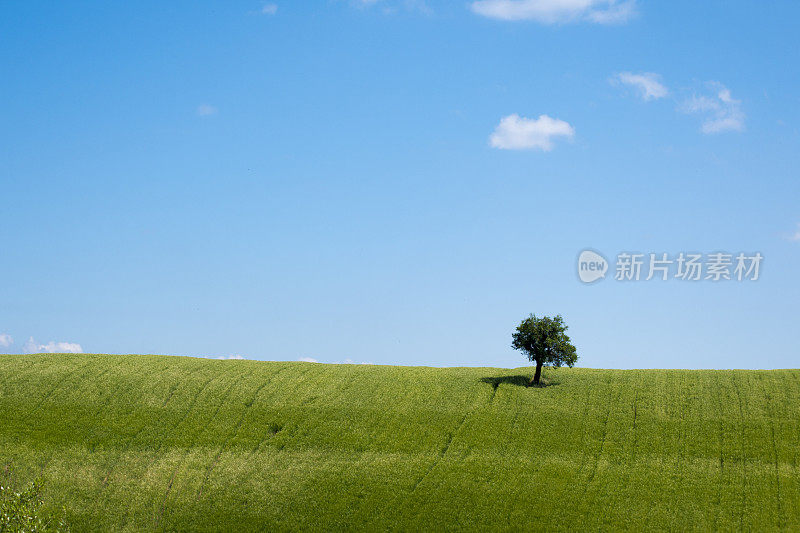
(545, 342)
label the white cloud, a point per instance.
(614, 13)
(556, 11)
(795, 236)
(390, 6)
(6, 340)
(52, 347)
(269, 9)
(647, 84)
(520, 133)
(232, 356)
(205, 110)
(722, 113)
(347, 361)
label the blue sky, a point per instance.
(397, 181)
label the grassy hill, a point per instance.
(174, 443)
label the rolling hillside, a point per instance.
(174, 443)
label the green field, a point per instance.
(178, 443)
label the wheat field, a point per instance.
(179, 443)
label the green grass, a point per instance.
(174, 443)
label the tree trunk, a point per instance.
(538, 373)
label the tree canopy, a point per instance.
(545, 342)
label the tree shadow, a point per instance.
(518, 381)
